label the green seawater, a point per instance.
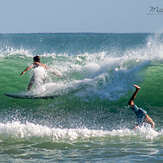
(90, 119)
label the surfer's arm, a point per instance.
(28, 68)
(55, 73)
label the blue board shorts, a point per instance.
(140, 113)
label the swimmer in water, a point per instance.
(140, 113)
(35, 65)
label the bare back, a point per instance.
(37, 64)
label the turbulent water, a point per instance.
(89, 118)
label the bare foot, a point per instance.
(136, 86)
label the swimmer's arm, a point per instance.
(152, 124)
(150, 121)
(28, 68)
(135, 127)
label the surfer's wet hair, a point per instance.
(36, 58)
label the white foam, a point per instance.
(9, 52)
(17, 130)
(106, 74)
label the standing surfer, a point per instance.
(37, 76)
(140, 113)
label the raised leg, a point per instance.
(131, 101)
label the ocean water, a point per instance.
(88, 120)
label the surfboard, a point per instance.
(30, 96)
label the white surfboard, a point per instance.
(30, 96)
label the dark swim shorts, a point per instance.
(140, 113)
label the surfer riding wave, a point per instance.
(39, 75)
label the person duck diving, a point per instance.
(140, 113)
